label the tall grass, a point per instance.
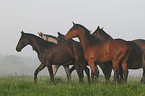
(24, 86)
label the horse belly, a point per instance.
(61, 57)
(101, 55)
(103, 58)
(133, 64)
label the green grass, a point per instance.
(24, 86)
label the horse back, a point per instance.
(141, 43)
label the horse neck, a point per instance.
(36, 45)
(85, 41)
(104, 37)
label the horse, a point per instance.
(54, 39)
(105, 67)
(95, 50)
(137, 55)
(50, 54)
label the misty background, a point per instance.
(120, 18)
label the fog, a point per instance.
(12, 65)
(121, 19)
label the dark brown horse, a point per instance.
(78, 53)
(95, 50)
(55, 40)
(136, 59)
(50, 54)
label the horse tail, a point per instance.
(135, 53)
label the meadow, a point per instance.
(24, 86)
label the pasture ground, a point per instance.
(24, 86)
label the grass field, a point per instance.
(24, 86)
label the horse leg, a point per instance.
(87, 71)
(143, 75)
(72, 69)
(66, 67)
(121, 56)
(55, 68)
(41, 66)
(49, 67)
(115, 64)
(82, 71)
(94, 70)
(124, 66)
(92, 76)
(125, 72)
(78, 72)
(107, 69)
(120, 74)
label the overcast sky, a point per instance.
(120, 18)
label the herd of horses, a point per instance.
(94, 49)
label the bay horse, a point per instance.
(50, 54)
(137, 53)
(54, 39)
(95, 50)
(105, 67)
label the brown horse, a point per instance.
(95, 50)
(136, 59)
(50, 54)
(105, 67)
(55, 40)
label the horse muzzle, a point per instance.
(18, 50)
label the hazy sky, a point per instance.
(120, 18)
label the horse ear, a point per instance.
(98, 27)
(22, 32)
(73, 23)
(102, 28)
(58, 33)
(39, 33)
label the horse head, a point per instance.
(74, 31)
(60, 36)
(100, 34)
(23, 41)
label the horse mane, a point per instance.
(87, 31)
(48, 35)
(39, 40)
(102, 34)
(91, 38)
